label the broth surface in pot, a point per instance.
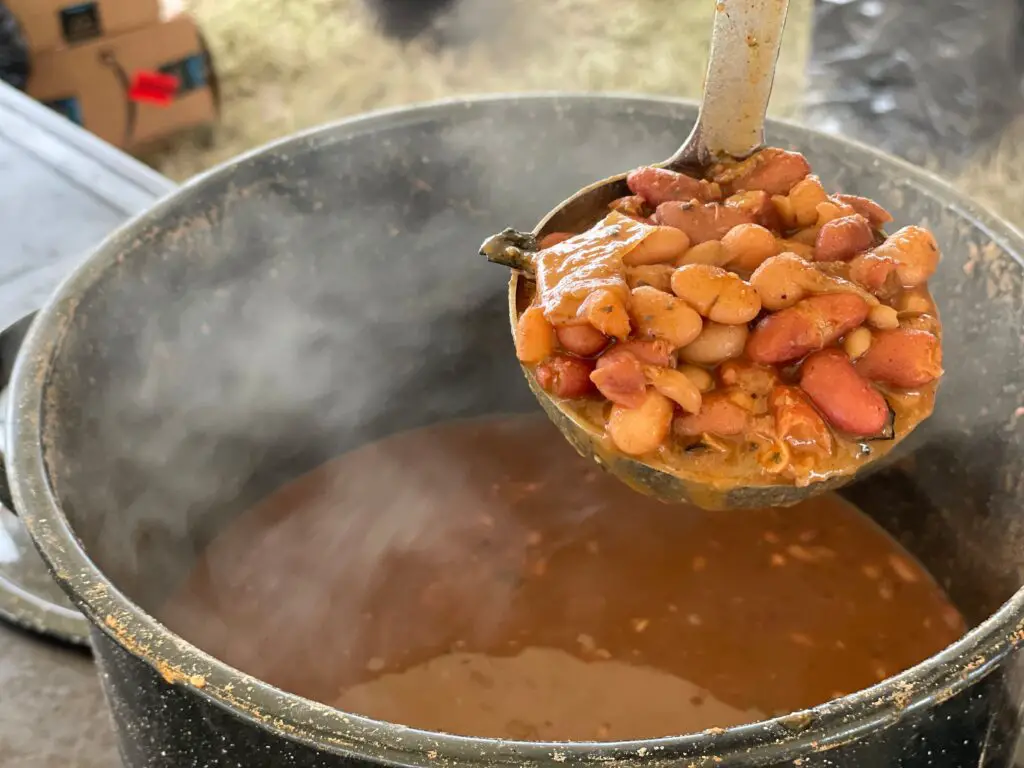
(480, 578)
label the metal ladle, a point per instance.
(745, 45)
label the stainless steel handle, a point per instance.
(745, 44)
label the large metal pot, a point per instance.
(325, 291)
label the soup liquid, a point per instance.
(480, 578)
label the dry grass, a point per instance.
(285, 65)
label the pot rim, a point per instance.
(784, 738)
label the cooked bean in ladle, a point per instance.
(720, 329)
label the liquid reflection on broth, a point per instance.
(480, 578)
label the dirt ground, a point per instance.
(285, 65)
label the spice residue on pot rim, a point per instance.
(480, 578)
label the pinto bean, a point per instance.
(869, 209)
(661, 245)
(701, 379)
(702, 221)
(783, 280)
(758, 204)
(773, 170)
(718, 415)
(583, 339)
(565, 376)
(660, 185)
(640, 430)
(748, 245)
(674, 385)
(633, 206)
(660, 315)
(718, 295)
(535, 336)
(649, 351)
(715, 344)
(797, 423)
(915, 252)
(709, 252)
(604, 310)
(554, 238)
(804, 198)
(620, 378)
(655, 275)
(903, 358)
(843, 238)
(809, 325)
(847, 399)
(877, 274)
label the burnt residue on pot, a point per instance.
(326, 292)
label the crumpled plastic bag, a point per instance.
(14, 57)
(933, 81)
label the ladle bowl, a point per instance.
(576, 214)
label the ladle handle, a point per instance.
(745, 45)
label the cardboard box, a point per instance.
(90, 84)
(52, 24)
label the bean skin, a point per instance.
(604, 310)
(915, 252)
(582, 340)
(796, 421)
(709, 252)
(784, 280)
(633, 206)
(775, 171)
(718, 415)
(702, 222)
(660, 185)
(715, 344)
(804, 198)
(535, 337)
(664, 244)
(875, 273)
(649, 351)
(807, 326)
(660, 315)
(869, 209)
(640, 430)
(843, 238)
(748, 246)
(758, 204)
(718, 295)
(620, 378)
(655, 275)
(554, 238)
(903, 358)
(848, 401)
(674, 385)
(565, 376)
(701, 379)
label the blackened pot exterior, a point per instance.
(134, 433)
